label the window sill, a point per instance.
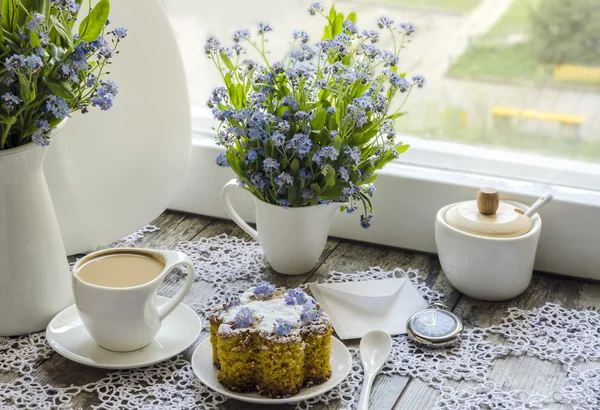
(407, 200)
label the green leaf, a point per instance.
(337, 142)
(327, 33)
(316, 189)
(351, 17)
(241, 95)
(25, 89)
(324, 95)
(402, 75)
(55, 52)
(332, 193)
(91, 27)
(319, 121)
(295, 166)
(338, 24)
(9, 14)
(330, 177)
(293, 195)
(34, 39)
(41, 6)
(233, 162)
(394, 116)
(9, 120)
(394, 69)
(364, 137)
(62, 31)
(400, 148)
(369, 180)
(59, 88)
(232, 91)
(227, 61)
(228, 80)
(235, 99)
(269, 148)
(332, 15)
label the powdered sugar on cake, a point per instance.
(266, 310)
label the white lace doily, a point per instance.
(228, 265)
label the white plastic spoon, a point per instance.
(375, 347)
(543, 201)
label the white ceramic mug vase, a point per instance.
(35, 281)
(292, 239)
(126, 319)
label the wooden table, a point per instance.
(394, 392)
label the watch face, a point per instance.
(434, 323)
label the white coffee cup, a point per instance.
(124, 319)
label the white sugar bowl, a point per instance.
(487, 247)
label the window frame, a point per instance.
(433, 175)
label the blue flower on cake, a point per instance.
(264, 289)
(310, 312)
(283, 327)
(243, 318)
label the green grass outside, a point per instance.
(450, 5)
(506, 62)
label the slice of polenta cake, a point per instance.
(271, 341)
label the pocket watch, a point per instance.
(435, 326)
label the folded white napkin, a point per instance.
(356, 308)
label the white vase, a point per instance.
(112, 172)
(292, 239)
(35, 280)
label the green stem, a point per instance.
(4, 135)
(405, 99)
(394, 39)
(260, 52)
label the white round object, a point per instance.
(486, 268)
(507, 222)
(341, 363)
(67, 335)
(111, 172)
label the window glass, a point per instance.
(521, 75)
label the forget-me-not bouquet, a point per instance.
(315, 126)
(47, 71)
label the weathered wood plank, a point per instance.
(523, 372)
(173, 227)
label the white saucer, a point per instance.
(341, 363)
(69, 338)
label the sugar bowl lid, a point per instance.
(488, 216)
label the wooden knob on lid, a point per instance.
(488, 201)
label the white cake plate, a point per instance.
(341, 363)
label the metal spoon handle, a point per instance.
(365, 393)
(538, 205)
